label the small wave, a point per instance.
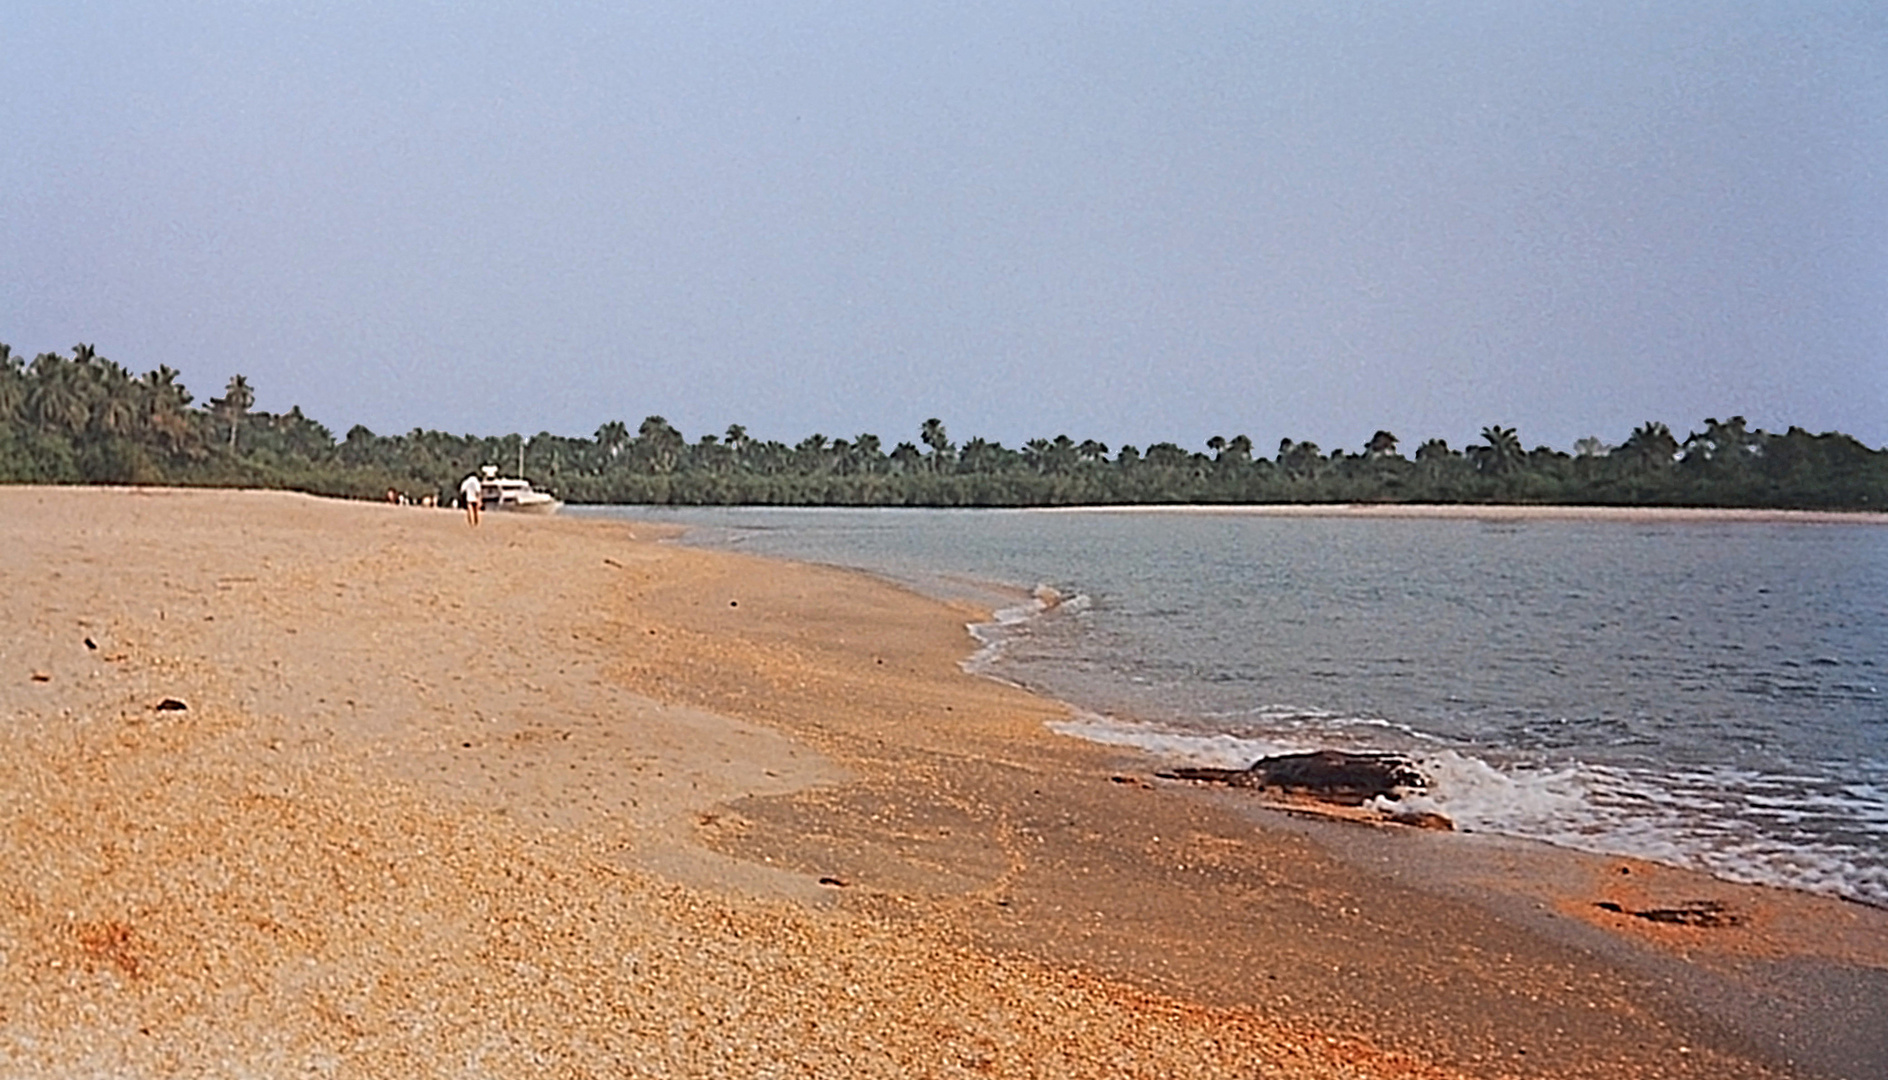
(1735, 824)
(1268, 713)
(1006, 623)
(1702, 819)
(1320, 723)
(1479, 797)
(1219, 751)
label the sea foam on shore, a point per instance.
(1681, 819)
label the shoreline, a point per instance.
(1428, 511)
(1650, 952)
(549, 787)
(1018, 604)
(1499, 512)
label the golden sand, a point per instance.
(548, 797)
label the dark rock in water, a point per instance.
(1334, 775)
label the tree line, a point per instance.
(86, 419)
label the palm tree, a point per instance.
(612, 439)
(1503, 454)
(980, 456)
(1650, 446)
(112, 395)
(56, 397)
(932, 433)
(233, 405)
(1062, 455)
(1724, 444)
(767, 458)
(710, 453)
(1434, 460)
(1167, 455)
(845, 457)
(117, 410)
(12, 383)
(1036, 453)
(906, 457)
(309, 439)
(1302, 459)
(163, 405)
(810, 454)
(659, 444)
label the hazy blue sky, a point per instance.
(1128, 222)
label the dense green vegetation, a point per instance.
(85, 419)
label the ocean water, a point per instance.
(1706, 694)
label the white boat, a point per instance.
(513, 494)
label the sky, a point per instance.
(1126, 222)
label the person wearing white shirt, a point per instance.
(469, 494)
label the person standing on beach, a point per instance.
(469, 494)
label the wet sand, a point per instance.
(550, 796)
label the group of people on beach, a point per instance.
(396, 497)
(471, 496)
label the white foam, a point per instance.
(1481, 798)
(1701, 819)
(1006, 623)
(1218, 751)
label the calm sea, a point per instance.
(1708, 694)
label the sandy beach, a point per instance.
(299, 786)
